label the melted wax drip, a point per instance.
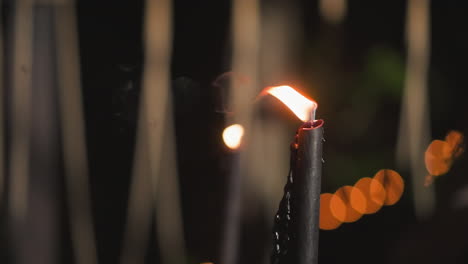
(282, 233)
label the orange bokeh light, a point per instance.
(455, 141)
(438, 157)
(349, 203)
(327, 220)
(338, 208)
(441, 154)
(232, 136)
(374, 193)
(392, 183)
(354, 204)
(300, 105)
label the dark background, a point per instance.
(347, 61)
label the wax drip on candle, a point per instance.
(281, 230)
(285, 216)
(299, 208)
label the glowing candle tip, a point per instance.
(232, 136)
(300, 105)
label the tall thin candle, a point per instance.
(297, 221)
(306, 191)
(232, 137)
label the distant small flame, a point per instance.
(301, 106)
(232, 136)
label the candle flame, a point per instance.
(232, 136)
(300, 105)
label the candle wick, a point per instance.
(312, 113)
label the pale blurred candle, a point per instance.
(232, 137)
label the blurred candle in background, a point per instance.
(232, 137)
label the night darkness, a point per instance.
(339, 59)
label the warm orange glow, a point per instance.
(392, 183)
(327, 220)
(338, 208)
(232, 136)
(455, 141)
(349, 203)
(353, 200)
(373, 192)
(301, 106)
(358, 200)
(440, 155)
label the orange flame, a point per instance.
(232, 136)
(300, 105)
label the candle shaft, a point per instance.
(306, 193)
(296, 226)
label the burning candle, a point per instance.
(297, 220)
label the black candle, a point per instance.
(296, 224)
(306, 192)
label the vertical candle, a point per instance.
(306, 191)
(232, 137)
(296, 224)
